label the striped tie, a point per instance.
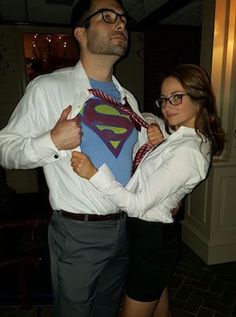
(137, 121)
(145, 148)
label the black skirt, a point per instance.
(154, 250)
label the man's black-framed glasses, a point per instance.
(174, 100)
(109, 16)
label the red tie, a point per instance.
(145, 148)
(137, 121)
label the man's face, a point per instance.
(107, 38)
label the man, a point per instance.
(87, 234)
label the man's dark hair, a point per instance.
(81, 11)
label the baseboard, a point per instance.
(209, 253)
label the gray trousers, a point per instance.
(89, 261)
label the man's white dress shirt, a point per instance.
(25, 142)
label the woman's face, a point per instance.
(184, 112)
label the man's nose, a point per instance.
(120, 23)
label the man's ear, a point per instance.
(80, 34)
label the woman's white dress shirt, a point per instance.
(162, 179)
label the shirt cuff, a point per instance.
(103, 178)
(47, 148)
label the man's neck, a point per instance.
(98, 67)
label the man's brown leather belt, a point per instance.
(86, 217)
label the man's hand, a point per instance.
(154, 134)
(82, 165)
(176, 209)
(66, 135)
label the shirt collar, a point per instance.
(81, 86)
(189, 132)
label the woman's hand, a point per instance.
(155, 136)
(82, 165)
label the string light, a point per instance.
(47, 52)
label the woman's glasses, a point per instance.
(174, 100)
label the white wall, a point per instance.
(209, 227)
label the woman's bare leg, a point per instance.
(133, 308)
(163, 308)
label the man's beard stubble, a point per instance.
(105, 49)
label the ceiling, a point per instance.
(181, 12)
(145, 12)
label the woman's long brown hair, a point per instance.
(197, 84)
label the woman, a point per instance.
(163, 178)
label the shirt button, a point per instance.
(56, 156)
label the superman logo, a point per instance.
(110, 123)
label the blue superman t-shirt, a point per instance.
(108, 134)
